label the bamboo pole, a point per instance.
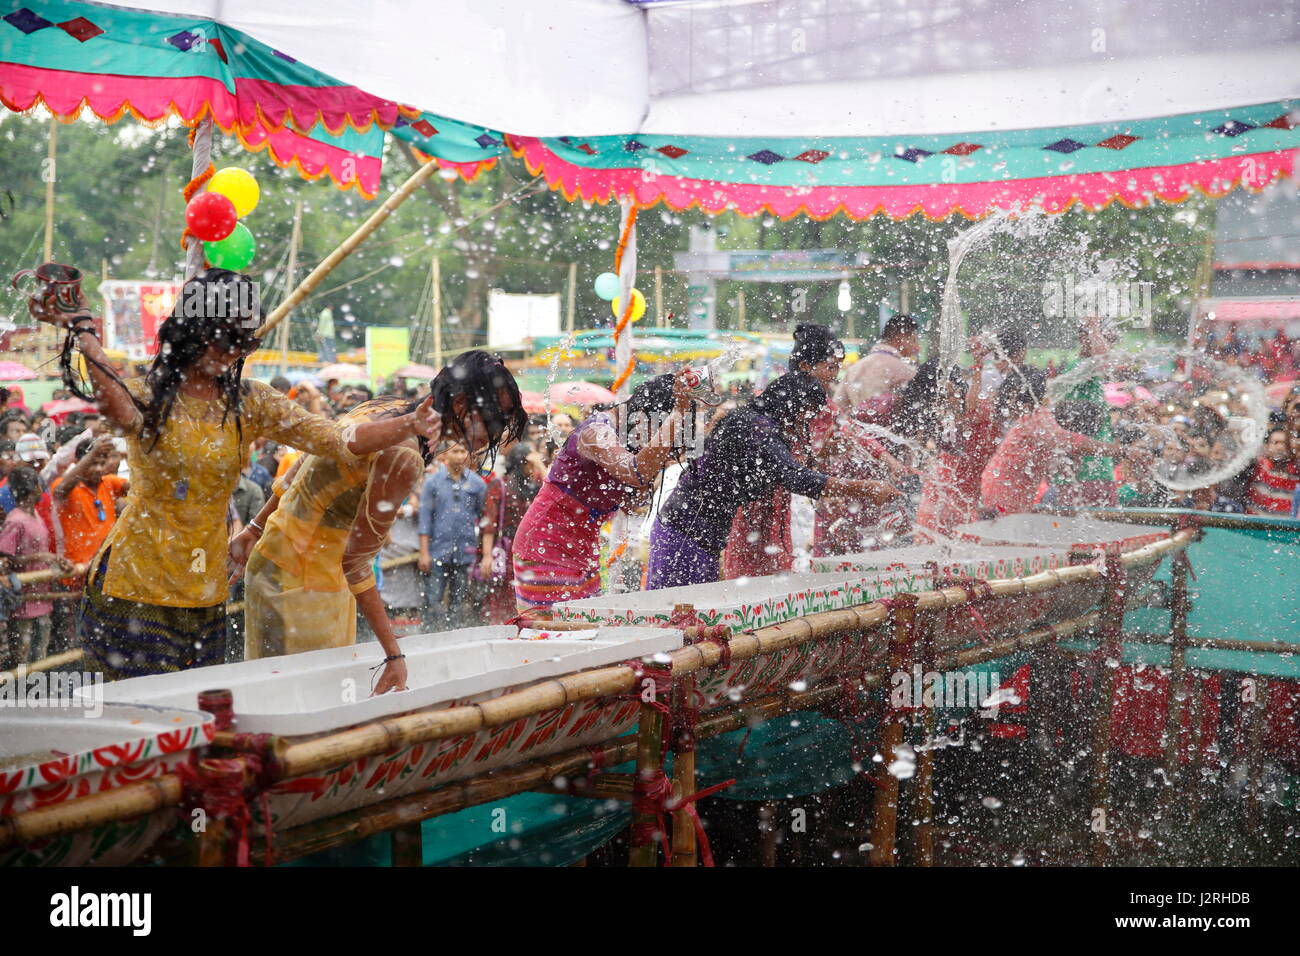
(122, 803)
(768, 812)
(659, 297)
(436, 306)
(1254, 757)
(925, 759)
(740, 309)
(44, 664)
(200, 160)
(1178, 684)
(1109, 648)
(573, 294)
(290, 271)
(884, 822)
(649, 762)
(50, 174)
(684, 848)
(347, 247)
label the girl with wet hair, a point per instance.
(745, 459)
(609, 461)
(313, 545)
(154, 599)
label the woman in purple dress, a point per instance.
(745, 459)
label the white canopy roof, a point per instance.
(793, 67)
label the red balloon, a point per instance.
(211, 216)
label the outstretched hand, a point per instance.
(427, 422)
(393, 677)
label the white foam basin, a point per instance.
(749, 602)
(326, 690)
(959, 557)
(1076, 534)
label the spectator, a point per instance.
(13, 425)
(561, 427)
(402, 587)
(451, 502)
(25, 544)
(505, 503)
(1276, 476)
(876, 378)
(86, 497)
(263, 467)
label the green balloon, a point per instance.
(607, 285)
(235, 252)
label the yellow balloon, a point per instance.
(638, 306)
(238, 186)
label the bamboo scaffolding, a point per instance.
(884, 818)
(122, 803)
(347, 247)
(290, 759)
(44, 664)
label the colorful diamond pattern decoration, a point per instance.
(913, 155)
(1233, 128)
(425, 128)
(766, 157)
(1066, 145)
(672, 152)
(487, 141)
(812, 156)
(1118, 141)
(633, 146)
(183, 40)
(1284, 121)
(963, 149)
(80, 29)
(27, 21)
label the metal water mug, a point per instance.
(55, 280)
(699, 385)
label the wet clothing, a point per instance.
(703, 505)
(1032, 451)
(1093, 481)
(319, 546)
(169, 543)
(557, 547)
(950, 494)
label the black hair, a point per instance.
(24, 484)
(281, 384)
(813, 344)
(898, 325)
(790, 401)
(480, 377)
(216, 307)
(1080, 416)
(649, 403)
(1011, 341)
(1022, 390)
(83, 447)
(916, 411)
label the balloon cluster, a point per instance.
(213, 217)
(607, 287)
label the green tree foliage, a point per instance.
(119, 208)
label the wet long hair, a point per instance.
(813, 344)
(918, 412)
(216, 307)
(791, 401)
(480, 377)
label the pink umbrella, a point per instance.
(343, 372)
(13, 372)
(1116, 394)
(534, 402)
(416, 371)
(579, 393)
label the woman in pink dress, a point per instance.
(595, 473)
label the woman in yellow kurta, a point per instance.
(317, 536)
(154, 599)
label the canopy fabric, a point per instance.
(70, 56)
(785, 107)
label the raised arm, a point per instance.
(600, 443)
(114, 401)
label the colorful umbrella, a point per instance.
(14, 372)
(534, 402)
(343, 372)
(416, 371)
(578, 393)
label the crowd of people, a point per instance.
(330, 512)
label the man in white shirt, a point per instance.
(884, 370)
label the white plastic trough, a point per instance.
(1054, 531)
(746, 603)
(960, 558)
(321, 692)
(51, 755)
(324, 691)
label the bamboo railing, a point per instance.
(287, 759)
